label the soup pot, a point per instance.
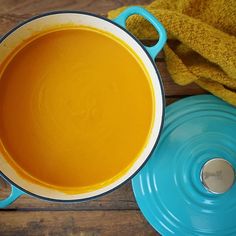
(117, 27)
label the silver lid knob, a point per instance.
(217, 175)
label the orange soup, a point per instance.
(76, 108)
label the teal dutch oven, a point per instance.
(117, 27)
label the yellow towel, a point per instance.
(201, 45)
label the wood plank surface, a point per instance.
(83, 223)
(113, 214)
(14, 11)
(120, 199)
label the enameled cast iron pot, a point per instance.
(116, 27)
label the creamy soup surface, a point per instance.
(76, 108)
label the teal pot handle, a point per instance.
(154, 50)
(15, 193)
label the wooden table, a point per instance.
(114, 214)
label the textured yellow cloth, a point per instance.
(201, 45)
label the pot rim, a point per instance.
(161, 90)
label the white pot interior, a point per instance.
(52, 21)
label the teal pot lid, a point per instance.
(188, 185)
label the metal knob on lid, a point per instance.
(217, 175)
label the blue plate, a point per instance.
(169, 190)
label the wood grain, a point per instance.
(83, 223)
(120, 199)
(14, 11)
